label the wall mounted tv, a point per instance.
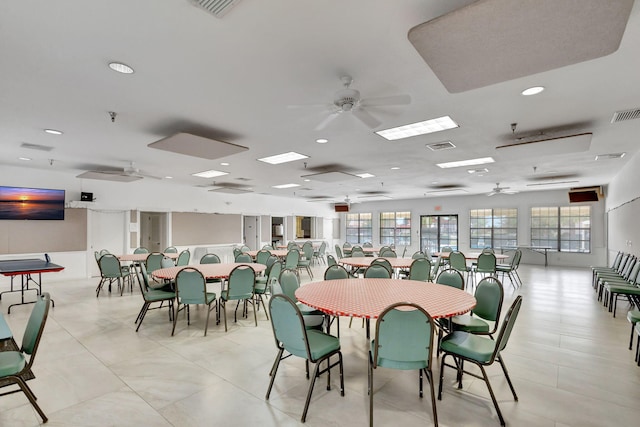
(31, 203)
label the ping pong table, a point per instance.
(27, 269)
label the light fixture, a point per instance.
(283, 158)
(533, 90)
(322, 140)
(286, 186)
(168, 177)
(481, 170)
(209, 174)
(610, 156)
(365, 175)
(120, 67)
(306, 180)
(53, 131)
(471, 162)
(395, 168)
(419, 128)
(224, 164)
(26, 159)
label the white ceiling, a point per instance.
(234, 78)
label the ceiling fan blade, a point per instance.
(366, 118)
(493, 193)
(387, 100)
(323, 124)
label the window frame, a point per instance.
(507, 236)
(560, 229)
(439, 232)
(396, 240)
(362, 236)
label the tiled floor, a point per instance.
(568, 359)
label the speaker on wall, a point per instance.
(341, 207)
(86, 197)
(585, 194)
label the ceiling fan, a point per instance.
(501, 190)
(127, 174)
(348, 100)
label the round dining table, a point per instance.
(366, 261)
(209, 271)
(143, 257)
(367, 298)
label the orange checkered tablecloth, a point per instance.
(209, 271)
(367, 298)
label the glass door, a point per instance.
(437, 231)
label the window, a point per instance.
(359, 228)
(437, 231)
(566, 229)
(493, 228)
(395, 228)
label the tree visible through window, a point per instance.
(395, 228)
(566, 229)
(359, 229)
(494, 228)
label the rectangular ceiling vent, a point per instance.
(217, 8)
(36, 147)
(620, 116)
(444, 145)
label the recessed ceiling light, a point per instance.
(610, 156)
(419, 128)
(395, 168)
(53, 131)
(307, 180)
(471, 162)
(26, 159)
(224, 164)
(168, 177)
(209, 174)
(533, 90)
(365, 175)
(481, 170)
(120, 67)
(286, 186)
(283, 158)
(322, 140)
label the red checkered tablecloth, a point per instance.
(209, 271)
(369, 297)
(366, 261)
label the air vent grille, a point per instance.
(217, 8)
(620, 116)
(36, 147)
(444, 145)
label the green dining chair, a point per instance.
(191, 288)
(314, 346)
(240, 288)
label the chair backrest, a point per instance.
(451, 277)
(35, 325)
(383, 249)
(167, 262)
(104, 251)
(236, 252)
(377, 271)
(274, 272)
(616, 260)
(507, 326)
(489, 296)
(141, 250)
(346, 245)
(486, 263)
(446, 249)
(403, 337)
(458, 261)
(323, 248)
(488, 251)
(307, 250)
(367, 245)
(262, 256)
(288, 326)
(191, 287)
(110, 266)
(154, 261)
(389, 253)
(269, 263)
(171, 250)
(268, 247)
(289, 282)
(143, 277)
(184, 257)
(334, 272)
(292, 259)
(210, 259)
(96, 254)
(244, 258)
(383, 261)
(420, 270)
(357, 252)
(331, 260)
(244, 248)
(292, 245)
(339, 252)
(241, 283)
(418, 254)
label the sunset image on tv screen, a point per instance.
(31, 203)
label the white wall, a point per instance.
(460, 205)
(145, 195)
(622, 209)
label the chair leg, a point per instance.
(631, 337)
(506, 374)
(273, 371)
(370, 388)
(175, 317)
(429, 373)
(313, 381)
(493, 396)
(143, 312)
(32, 397)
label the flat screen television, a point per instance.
(31, 203)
